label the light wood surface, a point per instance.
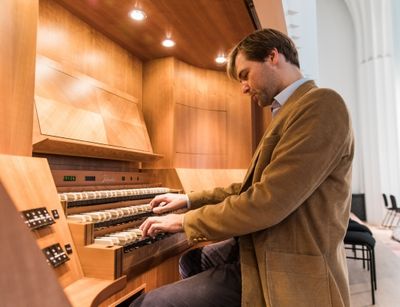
(201, 28)
(18, 22)
(162, 274)
(67, 39)
(91, 292)
(198, 118)
(30, 185)
(270, 14)
(96, 260)
(96, 119)
(205, 179)
(26, 183)
(191, 179)
(25, 276)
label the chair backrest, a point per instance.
(393, 201)
(385, 201)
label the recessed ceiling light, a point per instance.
(168, 43)
(221, 59)
(137, 14)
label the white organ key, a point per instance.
(114, 213)
(76, 218)
(96, 216)
(123, 238)
(137, 231)
(104, 241)
(62, 197)
(80, 218)
(131, 236)
(115, 240)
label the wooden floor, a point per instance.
(387, 253)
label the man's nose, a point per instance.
(245, 88)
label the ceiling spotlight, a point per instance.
(137, 14)
(168, 43)
(221, 59)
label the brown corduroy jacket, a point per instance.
(292, 209)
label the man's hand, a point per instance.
(157, 224)
(168, 202)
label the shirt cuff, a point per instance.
(188, 201)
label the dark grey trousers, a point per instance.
(211, 277)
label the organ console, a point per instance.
(90, 236)
(109, 129)
(106, 222)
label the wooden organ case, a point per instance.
(95, 192)
(86, 190)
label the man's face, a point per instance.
(258, 79)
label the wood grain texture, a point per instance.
(72, 107)
(193, 180)
(158, 107)
(165, 273)
(26, 183)
(91, 292)
(198, 119)
(25, 278)
(18, 22)
(201, 28)
(30, 185)
(67, 39)
(271, 14)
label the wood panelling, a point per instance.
(72, 107)
(270, 14)
(26, 278)
(201, 28)
(67, 39)
(198, 118)
(165, 273)
(26, 183)
(18, 22)
(210, 124)
(205, 179)
(158, 107)
(30, 185)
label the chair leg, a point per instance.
(398, 221)
(374, 268)
(384, 219)
(363, 256)
(392, 220)
(369, 252)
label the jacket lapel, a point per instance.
(304, 88)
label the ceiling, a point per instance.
(201, 28)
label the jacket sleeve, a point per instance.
(312, 143)
(214, 196)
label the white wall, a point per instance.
(337, 66)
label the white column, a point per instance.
(376, 105)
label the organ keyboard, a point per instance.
(104, 225)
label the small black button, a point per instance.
(68, 248)
(55, 214)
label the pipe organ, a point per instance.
(108, 132)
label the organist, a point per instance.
(289, 215)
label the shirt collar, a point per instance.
(283, 96)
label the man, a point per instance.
(289, 216)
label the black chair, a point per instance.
(356, 226)
(395, 211)
(360, 239)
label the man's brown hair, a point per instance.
(259, 44)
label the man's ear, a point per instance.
(274, 56)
